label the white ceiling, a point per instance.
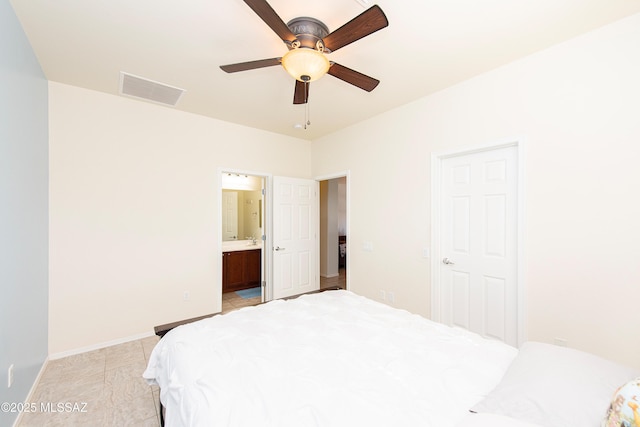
(428, 45)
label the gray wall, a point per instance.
(24, 206)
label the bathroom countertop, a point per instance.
(240, 245)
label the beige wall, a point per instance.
(577, 108)
(134, 211)
(133, 203)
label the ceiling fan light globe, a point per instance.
(310, 63)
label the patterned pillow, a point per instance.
(624, 410)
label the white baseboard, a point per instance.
(98, 346)
(31, 391)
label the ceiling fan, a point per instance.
(308, 41)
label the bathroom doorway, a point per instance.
(333, 233)
(242, 230)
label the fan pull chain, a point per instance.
(307, 121)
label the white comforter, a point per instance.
(329, 359)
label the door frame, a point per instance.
(436, 184)
(267, 224)
(344, 174)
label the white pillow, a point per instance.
(556, 387)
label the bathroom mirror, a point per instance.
(241, 207)
(241, 214)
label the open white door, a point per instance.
(295, 241)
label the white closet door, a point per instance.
(478, 243)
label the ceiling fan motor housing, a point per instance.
(308, 32)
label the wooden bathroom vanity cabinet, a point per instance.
(241, 269)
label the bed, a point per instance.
(333, 359)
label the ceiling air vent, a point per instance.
(149, 90)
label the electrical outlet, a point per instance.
(186, 296)
(383, 295)
(10, 376)
(391, 297)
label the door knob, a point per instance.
(447, 261)
(278, 248)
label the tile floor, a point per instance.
(109, 381)
(106, 385)
(232, 301)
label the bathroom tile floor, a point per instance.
(104, 387)
(232, 301)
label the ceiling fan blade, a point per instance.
(369, 21)
(271, 18)
(251, 65)
(353, 77)
(301, 93)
